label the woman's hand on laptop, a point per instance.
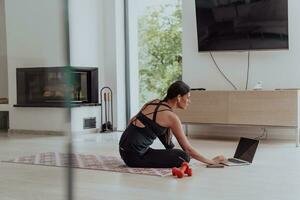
(219, 159)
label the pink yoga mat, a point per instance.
(83, 161)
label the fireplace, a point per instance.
(48, 87)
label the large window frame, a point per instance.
(132, 37)
(131, 60)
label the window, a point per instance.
(155, 29)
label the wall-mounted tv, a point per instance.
(242, 24)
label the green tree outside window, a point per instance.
(160, 50)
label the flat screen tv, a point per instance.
(242, 24)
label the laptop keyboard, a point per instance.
(235, 161)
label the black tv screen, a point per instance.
(242, 24)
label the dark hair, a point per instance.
(177, 88)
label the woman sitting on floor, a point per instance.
(156, 119)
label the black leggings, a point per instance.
(155, 158)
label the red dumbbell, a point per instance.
(176, 170)
(184, 169)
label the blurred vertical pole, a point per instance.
(69, 81)
(68, 133)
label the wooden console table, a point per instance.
(278, 108)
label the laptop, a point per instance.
(244, 153)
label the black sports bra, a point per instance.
(139, 139)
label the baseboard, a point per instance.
(82, 132)
(54, 133)
(35, 132)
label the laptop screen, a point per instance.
(246, 149)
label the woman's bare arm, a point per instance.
(176, 127)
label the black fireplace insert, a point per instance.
(53, 87)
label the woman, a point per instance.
(157, 119)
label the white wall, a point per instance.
(36, 37)
(3, 53)
(86, 37)
(86, 41)
(97, 40)
(276, 69)
(114, 57)
(78, 114)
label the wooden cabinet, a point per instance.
(206, 107)
(258, 108)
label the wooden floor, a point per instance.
(275, 173)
